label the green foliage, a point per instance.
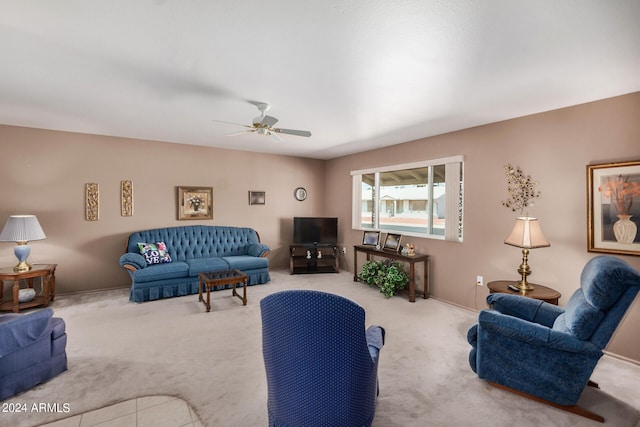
(371, 273)
(387, 275)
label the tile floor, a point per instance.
(150, 411)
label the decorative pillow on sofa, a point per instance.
(154, 253)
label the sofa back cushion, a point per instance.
(197, 241)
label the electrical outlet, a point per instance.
(479, 280)
(344, 249)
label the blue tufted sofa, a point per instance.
(191, 250)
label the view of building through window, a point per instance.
(411, 200)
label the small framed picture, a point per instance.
(392, 242)
(371, 238)
(195, 203)
(257, 197)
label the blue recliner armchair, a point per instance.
(32, 350)
(546, 352)
(321, 364)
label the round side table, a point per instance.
(539, 292)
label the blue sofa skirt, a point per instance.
(177, 287)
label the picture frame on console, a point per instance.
(392, 242)
(371, 238)
(195, 203)
(613, 208)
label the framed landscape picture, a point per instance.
(195, 203)
(613, 208)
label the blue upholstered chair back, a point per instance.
(608, 286)
(197, 241)
(319, 369)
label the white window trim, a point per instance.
(453, 166)
(413, 165)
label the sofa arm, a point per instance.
(375, 340)
(258, 250)
(534, 334)
(20, 330)
(525, 308)
(132, 261)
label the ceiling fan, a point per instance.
(263, 125)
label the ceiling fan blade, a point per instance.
(268, 121)
(275, 137)
(232, 123)
(240, 133)
(293, 132)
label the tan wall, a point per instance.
(554, 148)
(44, 173)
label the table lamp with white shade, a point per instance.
(22, 229)
(526, 234)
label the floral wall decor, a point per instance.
(126, 198)
(521, 189)
(91, 201)
(195, 203)
(613, 199)
(620, 192)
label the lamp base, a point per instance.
(523, 285)
(524, 271)
(22, 251)
(22, 267)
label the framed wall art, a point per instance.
(195, 203)
(613, 208)
(126, 198)
(257, 197)
(91, 201)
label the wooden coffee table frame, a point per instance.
(212, 279)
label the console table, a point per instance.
(371, 251)
(46, 272)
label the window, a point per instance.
(422, 199)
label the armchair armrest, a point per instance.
(258, 250)
(375, 341)
(521, 307)
(531, 333)
(132, 261)
(20, 330)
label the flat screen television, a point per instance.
(315, 230)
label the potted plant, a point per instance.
(387, 275)
(371, 273)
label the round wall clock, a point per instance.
(300, 193)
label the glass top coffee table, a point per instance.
(212, 279)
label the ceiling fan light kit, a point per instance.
(263, 125)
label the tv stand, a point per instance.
(313, 258)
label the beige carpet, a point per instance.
(119, 350)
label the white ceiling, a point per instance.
(358, 74)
